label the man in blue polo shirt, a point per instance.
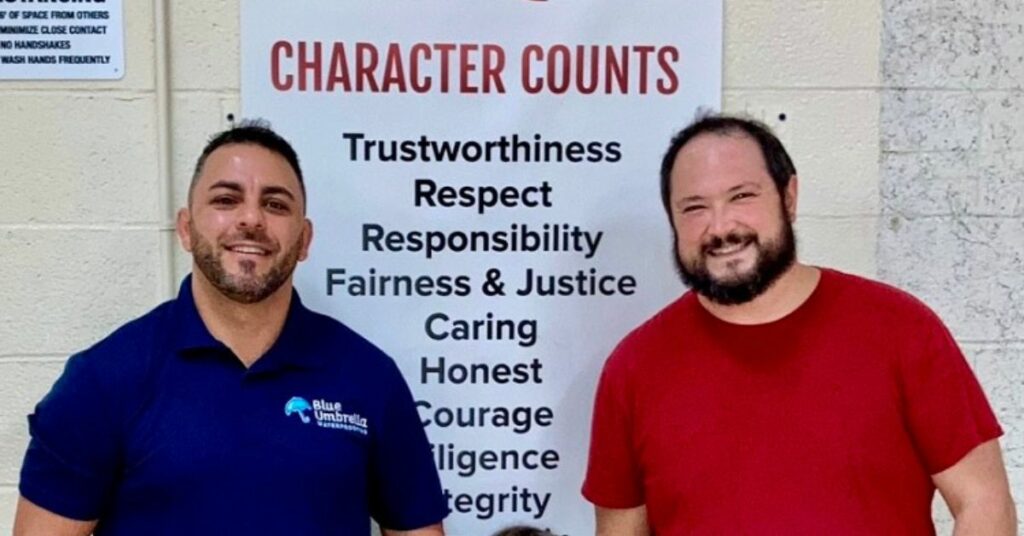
(232, 409)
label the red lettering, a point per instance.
(367, 67)
(309, 65)
(558, 79)
(339, 69)
(394, 74)
(279, 49)
(445, 49)
(466, 66)
(494, 64)
(537, 84)
(366, 61)
(418, 85)
(664, 61)
(587, 85)
(617, 70)
(644, 51)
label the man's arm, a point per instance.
(32, 520)
(622, 521)
(978, 494)
(433, 530)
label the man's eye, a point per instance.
(277, 206)
(743, 195)
(692, 208)
(223, 200)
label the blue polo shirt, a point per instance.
(160, 429)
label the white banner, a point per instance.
(483, 182)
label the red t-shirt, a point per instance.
(828, 421)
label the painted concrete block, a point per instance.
(1005, 11)
(8, 502)
(930, 120)
(65, 289)
(832, 138)
(1003, 120)
(1001, 376)
(941, 516)
(953, 182)
(79, 158)
(23, 383)
(968, 268)
(1002, 185)
(953, 44)
(930, 184)
(907, 55)
(847, 244)
(197, 117)
(808, 43)
(205, 44)
(975, 49)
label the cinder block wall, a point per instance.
(816, 63)
(80, 226)
(952, 184)
(85, 227)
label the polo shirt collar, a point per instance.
(291, 349)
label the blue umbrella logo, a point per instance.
(299, 405)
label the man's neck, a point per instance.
(788, 293)
(248, 329)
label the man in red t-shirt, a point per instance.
(778, 397)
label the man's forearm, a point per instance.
(33, 520)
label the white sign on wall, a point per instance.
(61, 40)
(483, 182)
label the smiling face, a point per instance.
(244, 225)
(733, 230)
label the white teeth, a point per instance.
(249, 249)
(727, 250)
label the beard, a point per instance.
(247, 287)
(774, 257)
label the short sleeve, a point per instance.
(405, 490)
(613, 477)
(71, 463)
(947, 412)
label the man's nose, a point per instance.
(251, 215)
(721, 222)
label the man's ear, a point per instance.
(183, 229)
(307, 239)
(791, 195)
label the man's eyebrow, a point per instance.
(697, 198)
(747, 184)
(269, 190)
(689, 199)
(230, 185)
(272, 190)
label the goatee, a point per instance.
(247, 287)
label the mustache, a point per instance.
(731, 239)
(255, 235)
(251, 235)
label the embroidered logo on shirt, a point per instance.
(299, 405)
(327, 415)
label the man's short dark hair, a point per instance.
(780, 166)
(252, 132)
(523, 530)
